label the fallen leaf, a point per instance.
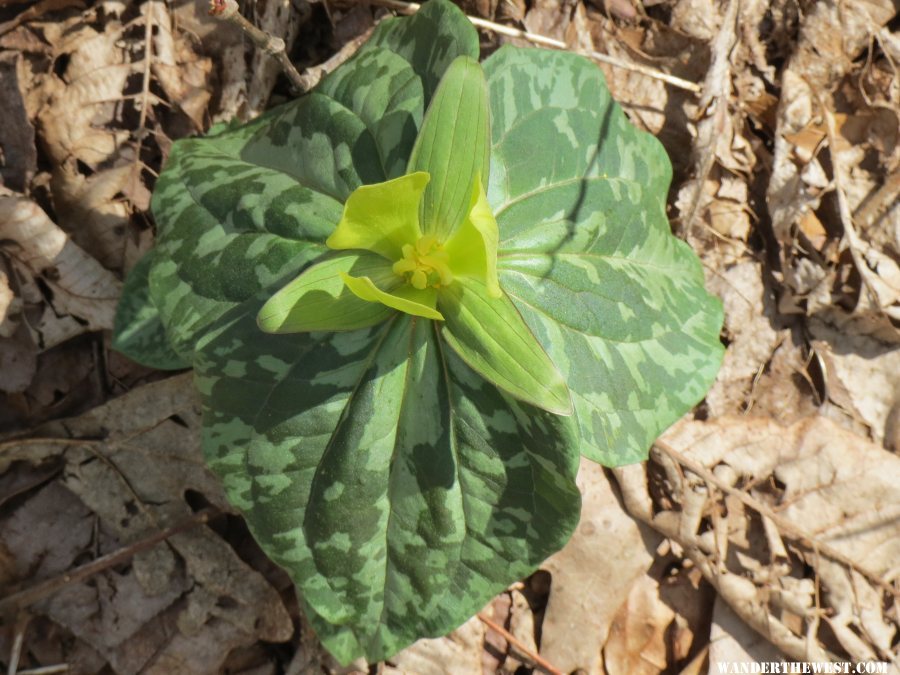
(180, 607)
(80, 286)
(18, 156)
(457, 654)
(592, 576)
(637, 636)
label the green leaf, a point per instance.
(227, 229)
(452, 147)
(382, 218)
(382, 88)
(490, 336)
(587, 256)
(138, 332)
(398, 488)
(429, 40)
(319, 299)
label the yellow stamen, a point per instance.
(425, 264)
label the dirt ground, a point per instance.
(766, 524)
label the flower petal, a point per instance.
(405, 298)
(319, 300)
(382, 217)
(472, 250)
(490, 335)
(453, 146)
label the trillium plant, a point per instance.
(413, 298)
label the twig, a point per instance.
(46, 670)
(716, 88)
(43, 589)
(543, 40)
(783, 524)
(15, 651)
(536, 659)
(228, 10)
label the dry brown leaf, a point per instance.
(550, 18)
(180, 607)
(457, 654)
(637, 637)
(9, 307)
(752, 339)
(521, 627)
(183, 75)
(816, 84)
(18, 156)
(18, 361)
(862, 375)
(80, 122)
(836, 499)
(644, 99)
(81, 287)
(592, 575)
(733, 641)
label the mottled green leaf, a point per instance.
(227, 229)
(139, 333)
(587, 255)
(453, 147)
(429, 40)
(391, 528)
(386, 94)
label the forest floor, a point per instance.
(766, 523)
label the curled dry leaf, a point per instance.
(181, 606)
(828, 100)
(860, 375)
(80, 286)
(183, 75)
(637, 637)
(722, 156)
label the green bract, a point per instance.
(412, 298)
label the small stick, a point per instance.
(536, 659)
(413, 7)
(15, 652)
(31, 594)
(46, 670)
(228, 10)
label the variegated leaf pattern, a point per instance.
(249, 207)
(587, 256)
(399, 489)
(139, 332)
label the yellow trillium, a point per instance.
(385, 258)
